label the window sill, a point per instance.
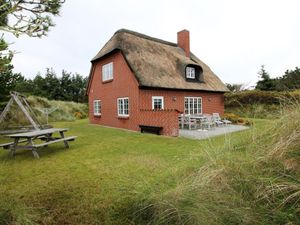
(123, 117)
(97, 115)
(107, 81)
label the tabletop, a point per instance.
(37, 133)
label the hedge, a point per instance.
(260, 97)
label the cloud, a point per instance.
(233, 37)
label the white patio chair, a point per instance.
(217, 119)
(187, 122)
(224, 121)
(207, 122)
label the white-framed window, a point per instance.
(107, 71)
(190, 72)
(97, 107)
(193, 105)
(123, 106)
(157, 102)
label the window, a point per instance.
(193, 105)
(157, 102)
(107, 72)
(123, 107)
(190, 72)
(97, 107)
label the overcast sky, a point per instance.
(234, 37)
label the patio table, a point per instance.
(198, 118)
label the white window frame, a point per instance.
(108, 71)
(191, 102)
(122, 111)
(97, 107)
(158, 98)
(190, 72)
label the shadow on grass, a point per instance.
(27, 154)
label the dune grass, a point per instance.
(64, 110)
(111, 176)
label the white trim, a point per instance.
(190, 72)
(198, 109)
(122, 111)
(97, 109)
(160, 98)
(108, 71)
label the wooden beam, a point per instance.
(17, 100)
(5, 111)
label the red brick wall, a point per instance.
(211, 102)
(183, 41)
(168, 119)
(124, 84)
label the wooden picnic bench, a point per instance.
(29, 137)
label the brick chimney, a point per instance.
(183, 41)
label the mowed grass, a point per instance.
(112, 176)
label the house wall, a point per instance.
(211, 101)
(123, 84)
(168, 119)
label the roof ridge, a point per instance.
(146, 37)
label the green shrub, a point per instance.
(65, 111)
(260, 104)
(260, 97)
(236, 119)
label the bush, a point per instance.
(260, 97)
(260, 104)
(235, 119)
(65, 111)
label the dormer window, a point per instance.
(190, 72)
(193, 73)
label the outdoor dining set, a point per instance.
(201, 121)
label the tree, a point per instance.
(266, 83)
(6, 74)
(290, 80)
(235, 87)
(31, 17)
(79, 84)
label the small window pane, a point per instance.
(193, 105)
(123, 106)
(157, 102)
(97, 107)
(107, 71)
(190, 72)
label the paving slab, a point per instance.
(203, 134)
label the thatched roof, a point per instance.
(159, 64)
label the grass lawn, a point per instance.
(111, 176)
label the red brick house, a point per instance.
(140, 80)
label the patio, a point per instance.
(203, 134)
(202, 126)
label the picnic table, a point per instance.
(29, 138)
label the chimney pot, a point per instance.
(183, 41)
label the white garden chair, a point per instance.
(218, 118)
(207, 122)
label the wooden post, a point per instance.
(5, 111)
(25, 111)
(63, 136)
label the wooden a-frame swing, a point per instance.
(24, 106)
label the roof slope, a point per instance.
(159, 64)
